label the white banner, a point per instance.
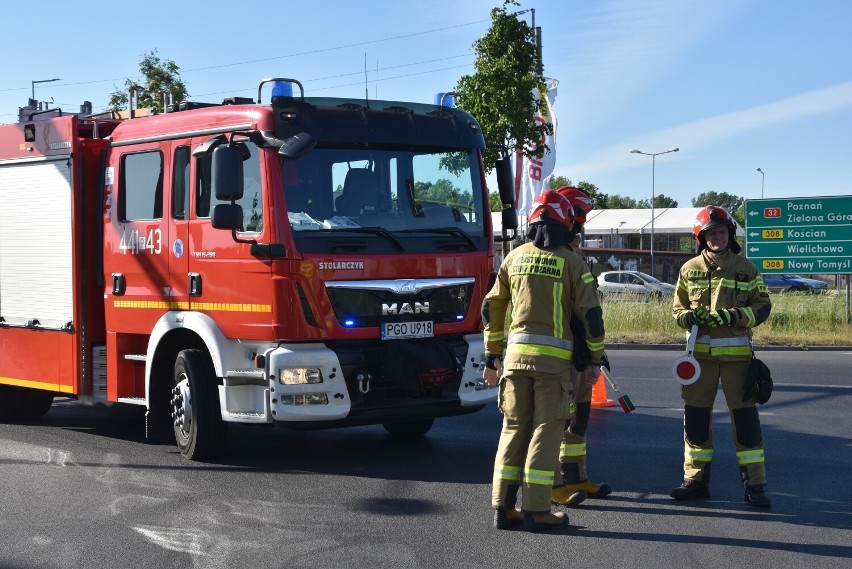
(532, 175)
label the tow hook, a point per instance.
(363, 379)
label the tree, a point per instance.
(557, 182)
(160, 76)
(616, 201)
(443, 192)
(495, 202)
(500, 93)
(660, 201)
(598, 198)
(723, 199)
(734, 205)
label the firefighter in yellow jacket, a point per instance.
(723, 293)
(575, 485)
(544, 282)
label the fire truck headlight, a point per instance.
(296, 376)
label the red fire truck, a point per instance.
(305, 262)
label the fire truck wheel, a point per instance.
(8, 404)
(199, 429)
(409, 429)
(35, 405)
(19, 405)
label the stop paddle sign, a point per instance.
(686, 368)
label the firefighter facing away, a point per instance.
(576, 486)
(723, 293)
(544, 283)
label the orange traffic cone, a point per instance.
(599, 396)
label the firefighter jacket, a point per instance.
(543, 287)
(729, 281)
(575, 248)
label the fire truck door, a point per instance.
(137, 241)
(227, 282)
(181, 176)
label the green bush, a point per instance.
(797, 319)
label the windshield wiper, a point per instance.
(380, 231)
(446, 231)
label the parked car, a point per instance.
(794, 283)
(633, 285)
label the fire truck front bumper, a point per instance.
(307, 384)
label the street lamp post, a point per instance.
(42, 81)
(653, 156)
(762, 178)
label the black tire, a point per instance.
(197, 419)
(409, 429)
(9, 398)
(36, 404)
(22, 405)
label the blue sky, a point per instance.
(735, 84)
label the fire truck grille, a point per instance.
(361, 306)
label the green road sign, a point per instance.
(800, 235)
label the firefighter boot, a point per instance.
(568, 496)
(755, 494)
(691, 490)
(694, 489)
(543, 521)
(574, 489)
(506, 517)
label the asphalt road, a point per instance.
(82, 489)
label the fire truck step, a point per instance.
(136, 357)
(132, 400)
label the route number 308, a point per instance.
(136, 242)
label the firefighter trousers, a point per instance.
(698, 401)
(535, 407)
(572, 450)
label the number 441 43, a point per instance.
(137, 242)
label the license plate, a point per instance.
(407, 330)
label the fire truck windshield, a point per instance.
(421, 198)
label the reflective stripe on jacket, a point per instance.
(543, 287)
(728, 281)
(735, 346)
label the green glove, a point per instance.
(725, 317)
(701, 317)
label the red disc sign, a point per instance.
(686, 370)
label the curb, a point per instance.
(681, 347)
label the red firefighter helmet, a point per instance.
(580, 201)
(552, 206)
(711, 216)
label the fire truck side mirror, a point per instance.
(504, 181)
(297, 146)
(227, 216)
(509, 218)
(227, 172)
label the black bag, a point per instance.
(420, 368)
(758, 386)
